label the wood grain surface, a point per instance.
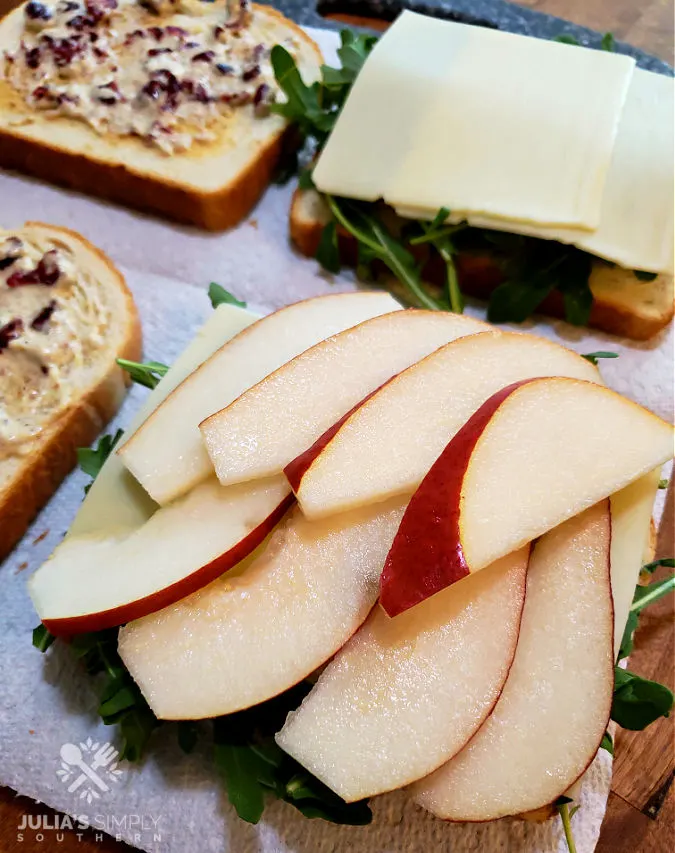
(641, 810)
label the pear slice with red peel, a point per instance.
(553, 711)
(100, 580)
(386, 446)
(535, 454)
(248, 637)
(407, 693)
(258, 434)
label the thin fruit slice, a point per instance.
(247, 638)
(116, 499)
(387, 446)
(535, 454)
(166, 454)
(405, 694)
(631, 518)
(549, 721)
(270, 424)
(102, 580)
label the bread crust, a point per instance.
(54, 453)
(479, 275)
(213, 211)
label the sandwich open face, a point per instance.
(163, 106)
(535, 174)
(65, 316)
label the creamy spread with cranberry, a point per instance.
(162, 70)
(51, 321)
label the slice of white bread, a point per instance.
(94, 384)
(212, 185)
(623, 304)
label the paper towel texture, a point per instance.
(174, 803)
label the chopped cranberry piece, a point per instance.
(65, 50)
(99, 53)
(236, 100)
(152, 89)
(204, 56)
(176, 31)
(39, 93)
(79, 22)
(10, 332)
(156, 51)
(261, 99)
(68, 7)
(42, 318)
(47, 272)
(33, 57)
(250, 73)
(217, 31)
(201, 94)
(156, 32)
(223, 68)
(38, 11)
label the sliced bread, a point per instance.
(623, 304)
(109, 150)
(66, 314)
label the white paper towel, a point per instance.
(173, 803)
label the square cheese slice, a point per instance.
(480, 121)
(637, 224)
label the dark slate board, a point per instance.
(497, 14)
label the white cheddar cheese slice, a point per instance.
(479, 121)
(392, 93)
(636, 224)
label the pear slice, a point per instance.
(548, 723)
(407, 693)
(247, 638)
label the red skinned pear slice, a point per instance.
(534, 454)
(561, 681)
(101, 580)
(407, 693)
(247, 638)
(387, 445)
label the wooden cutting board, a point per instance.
(641, 810)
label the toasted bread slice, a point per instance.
(623, 304)
(213, 184)
(59, 383)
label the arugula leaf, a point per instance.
(42, 639)
(305, 179)
(358, 220)
(650, 568)
(644, 276)
(663, 484)
(91, 459)
(638, 702)
(593, 357)
(327, 253)
(565, 39)
(514, 301)
(608, 43)
(219, 296)
(240, 769)
(607, 743)
(146, 373)
(572, 281)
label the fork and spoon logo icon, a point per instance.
(89, 757)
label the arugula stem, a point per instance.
(377, 248)
(564, 813)
(434, 234)
(657, 592)
(452, 282)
